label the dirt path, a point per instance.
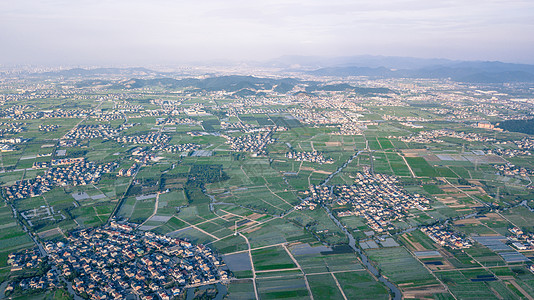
(155, 210)
(298, 266)
(252, 266)
(407, 164)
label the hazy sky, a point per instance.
(160, 31)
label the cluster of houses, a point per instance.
(177, 121)
(513, 170)
(177, 148)
(153, 138)
(11, 128)
(113, 261)
(255, 143)
(11, 112)
(29, 259)
(509, 152)
(434, 136)
(8, 148)
(49, 280)
(325, 117)
(48, 128)
(521, 240)
(525, 143)
(50, 114)
(349, 129)
(110, 116)
(127, 107)
(404, 118)
(142, 155)
(445, 237)
(128, 172)
(237, 126)
(77, 173)
(24, 259)
(68, 143)
(377, 198)
(88, 132)
(313, 156)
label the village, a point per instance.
(114, 261)
(313, 156)
(376, 197)
(88, 132)
(441, 235)
(255, 143)
(75, 172)
(434, 136)
(513, 170)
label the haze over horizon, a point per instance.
(158, 32)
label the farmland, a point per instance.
(312, 192)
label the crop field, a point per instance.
(319, 263)
(361, 285)
(463, 288)
(418, 241)
(289, 287)
(276, 232)
(401, 267)
(323, 286)
(241, 290)
(207, 160)
(271, 259)
(12, 237)
(421, 167)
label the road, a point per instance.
(252, 265)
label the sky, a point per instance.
(143, 32)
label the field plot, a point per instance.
(418, 241)
(320, 263)
(241, 290)
(12, 237)
(193, 235)
(323, 286)
(260, 198)
(272, 259)
(421, 167)
(397, 164)
(520, 216)
(170, 202)
(401, 267)
(462, 287)
(229, 244)
(276, 232)
(289, 287)
(171, 225)
(319, 222)
(385, 143)
(361, 285)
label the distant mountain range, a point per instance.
(408, 67)
(371, 66)
(80, 72)
(472, 72)
(238, 85)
